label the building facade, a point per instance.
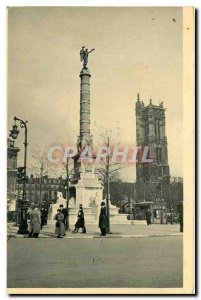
(42, 192)
(150, 134)
(12, 153)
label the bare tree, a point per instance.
(68, 169)
(41, 167)
(107, 170)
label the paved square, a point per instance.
(98, 262)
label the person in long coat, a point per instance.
(35, 223)
(148, 217)
(59, 225)
(64, 211)
(180, 212)
(103, 219)
(43, 217)
(80, 221)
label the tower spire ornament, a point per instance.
(84, 54)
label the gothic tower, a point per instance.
(150, 132)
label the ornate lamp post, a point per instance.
(161, 200)
(108, 187)
(67, 182)
(66, 189)
(23, 226)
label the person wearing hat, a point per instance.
(103, 219)
(35, 222)
(64, 211)
(80, 221)
(59, 225)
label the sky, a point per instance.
(137, 50)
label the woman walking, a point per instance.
(103, 219)
(80, 221)
(59, 225)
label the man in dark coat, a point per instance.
(46, 215)
(64, 211)
(43, 217)
(103, 219)
(148, 217)
(80, 221)
(180, 211)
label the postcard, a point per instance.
(100, 150)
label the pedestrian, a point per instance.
(43, 217)
(46, 215)
(180, 212)
(148, 217)
(103, 219)
(59, 225)
(67, 219)
(168, 218)
(35, 222)
(80, 221)
(64, 211)
(29, 218)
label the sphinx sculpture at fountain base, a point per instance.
(53, 207)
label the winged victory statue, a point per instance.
(84, 53)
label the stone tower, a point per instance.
(150, 132)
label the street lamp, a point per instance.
(67, 182)
(66, 189)
(108, 186)
(23, 226)
(161, 200)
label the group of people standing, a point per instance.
(62, 219)
(39, 218)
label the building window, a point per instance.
(146, 129)
(158, 155)
(159, 130)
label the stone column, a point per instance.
(85, 138)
